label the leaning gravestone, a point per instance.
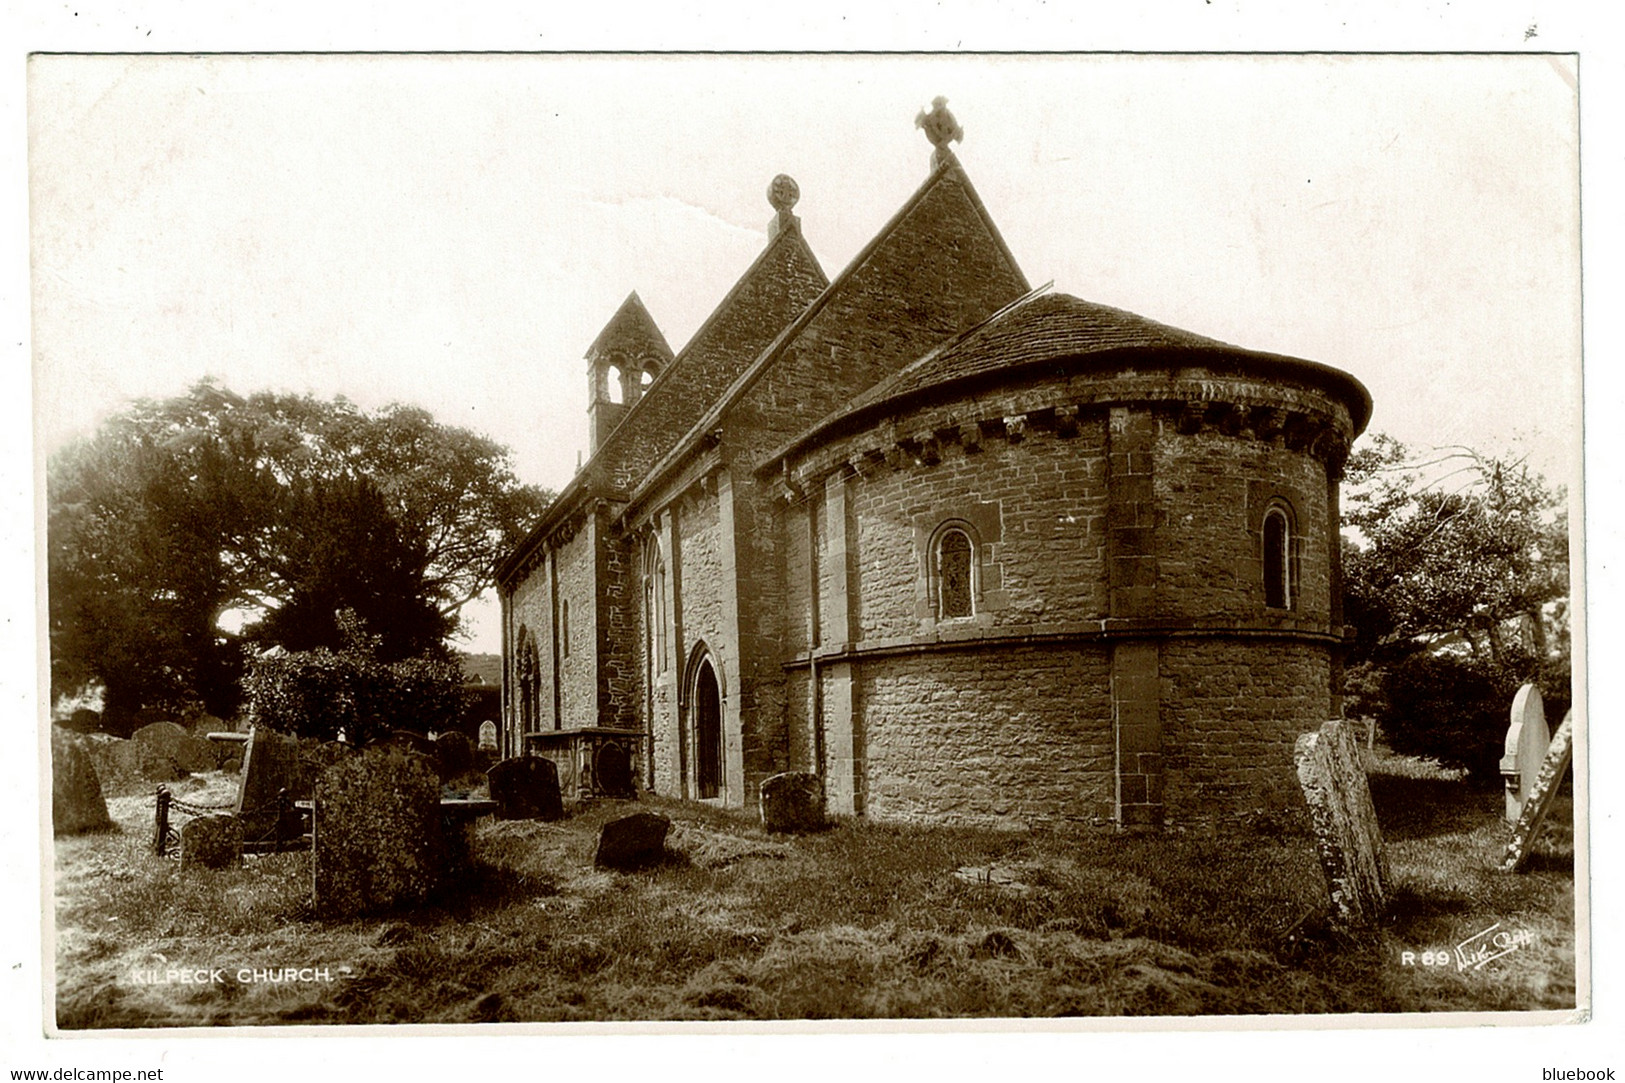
(1539, 800)
(271, 766)
(77, 804)
(632, 842)
(377, 838)
(793, 801)
(1526, 744)
(526, 788)
(212, 842)
(1347, 837)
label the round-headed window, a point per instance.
(955, 561)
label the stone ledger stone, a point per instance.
(1526, 744)
(211, 842)
(1347, 837)
(1541, 795)
(632, 842)
(793, 801)
(77, 804)
(377, 843)
(526, 788)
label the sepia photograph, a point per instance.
(773, 540)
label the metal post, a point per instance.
(160, 821)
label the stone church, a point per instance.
(974, 553)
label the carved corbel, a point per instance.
(1015, 427)
(1066, 420)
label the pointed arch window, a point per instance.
(654, 610)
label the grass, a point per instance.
(861, 921)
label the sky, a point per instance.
(454, 231)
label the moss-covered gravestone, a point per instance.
(212, 842)
(1347, 837)
(377, 836)
(454, 754)
(1538, 802)
(77, 804)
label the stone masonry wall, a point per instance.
(531, 607)
(578, 669)
(1037, 504)
(1211, 492)
(1231, 712)
(998, 737)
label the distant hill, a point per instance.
(485, 669)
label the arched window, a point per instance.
(955, 573)
(529, 682)
(654, 610)
(1278, 585)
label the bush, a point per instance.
(1454, 708)
(319, 692)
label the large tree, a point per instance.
(277, 509)
(1456, 581)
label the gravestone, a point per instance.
(488, 736)
(409, 741)
(454, 754)
(526, 788)
(793, 801)
(632, 842)
(188, 753)
(77, 804)
(211, 842)
(1526, 744)
(271, 765)
(1539, 800)
(1347, 837)
(377, 836)
(612, 769)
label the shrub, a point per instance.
(1453, 708)
(319, 692)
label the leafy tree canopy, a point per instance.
(279, 508)
(1456, 581)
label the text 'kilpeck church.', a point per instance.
(971, 552)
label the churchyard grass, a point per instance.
(859, 921)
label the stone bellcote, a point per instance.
(632, 349)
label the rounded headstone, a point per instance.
(526, 788)
(454, 754)
(77, 804)
(1527, 740)
(613, 770)
(793, 801)
(488, 736)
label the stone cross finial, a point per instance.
(940, 128)
(782, 195)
